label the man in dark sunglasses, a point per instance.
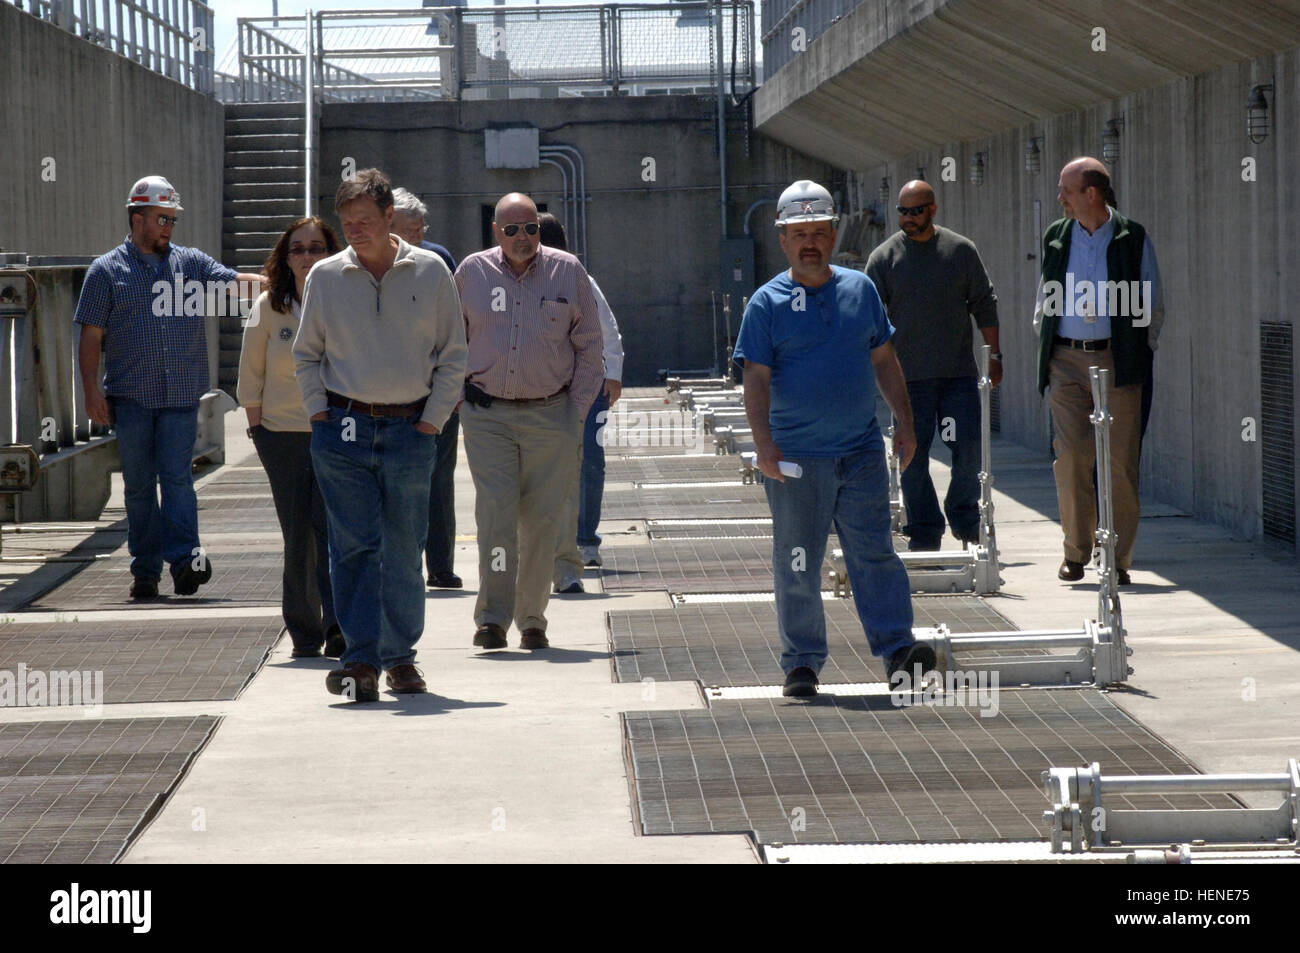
(933, 283)
(535, 367)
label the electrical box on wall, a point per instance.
(737, 278)
(511, 147)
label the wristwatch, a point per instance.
(996, 356)
(250, 430)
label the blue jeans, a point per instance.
(376, 492)
(952, 405)
(156, 447)
(591, 483)
(852, 493)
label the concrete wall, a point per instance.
(653, 245)
(105, 122)
(1227, 251)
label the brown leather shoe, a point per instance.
(534, 639)
(1070, 571)
(406, 680)
(357, 681)
(490, 636)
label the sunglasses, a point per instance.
(165, 220)
(912, 210)
(510, 231)
(298, 250)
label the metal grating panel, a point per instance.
(716, 502)
(860, 770)
(995, 410)
(154, 660)
(654, 468)
(1277, 431)
(737, 644)
(238, 579)
(704, 565)
(744, 528)
(77, 792)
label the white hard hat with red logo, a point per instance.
(806, 201)
(154, 190)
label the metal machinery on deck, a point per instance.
(1081, 818)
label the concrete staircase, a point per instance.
(264, 183)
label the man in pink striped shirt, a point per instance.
(534, 369)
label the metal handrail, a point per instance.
(173, 38)
(263, 57)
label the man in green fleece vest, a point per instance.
(1098, 304)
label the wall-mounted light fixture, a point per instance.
(1110, 140)
(884, 193)
(1034, 155)
(920, 172)
(977, 168)
(1257, 113)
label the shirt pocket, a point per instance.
(555, 325)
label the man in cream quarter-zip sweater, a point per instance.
(380, 359)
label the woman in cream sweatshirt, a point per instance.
(279, 429)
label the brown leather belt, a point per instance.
(374, 410)
(1100, 344)
(528, 400)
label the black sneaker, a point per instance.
(445, 580)
(800, 683)
(907, 658)
(335, 644)
(143, 588)
(305, 651)
(188, 579)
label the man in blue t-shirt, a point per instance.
(813, 342)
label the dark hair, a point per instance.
(282, 289)
(1096, 179)
(551, 231)
(367, 183)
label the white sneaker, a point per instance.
(590, 555)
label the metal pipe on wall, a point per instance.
(564, 190)
(722, 120)
(309, 125)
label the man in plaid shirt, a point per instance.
(138, 306)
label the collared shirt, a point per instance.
(156, 348)
(533, 334)
(613, 350)
(393, 341)
(818, 343)
(1086, 312)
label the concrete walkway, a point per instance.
(518, 756)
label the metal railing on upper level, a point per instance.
(454, 52)
(789, 26)
(171, 37)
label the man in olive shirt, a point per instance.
(932, 282)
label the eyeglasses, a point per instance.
(298, 250)
(165, 220)
(510, 231)
(912, 210)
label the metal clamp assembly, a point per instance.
(1080, 814)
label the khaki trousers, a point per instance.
(1076, 453)
(521, 457)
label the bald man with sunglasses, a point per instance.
(535, 367)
